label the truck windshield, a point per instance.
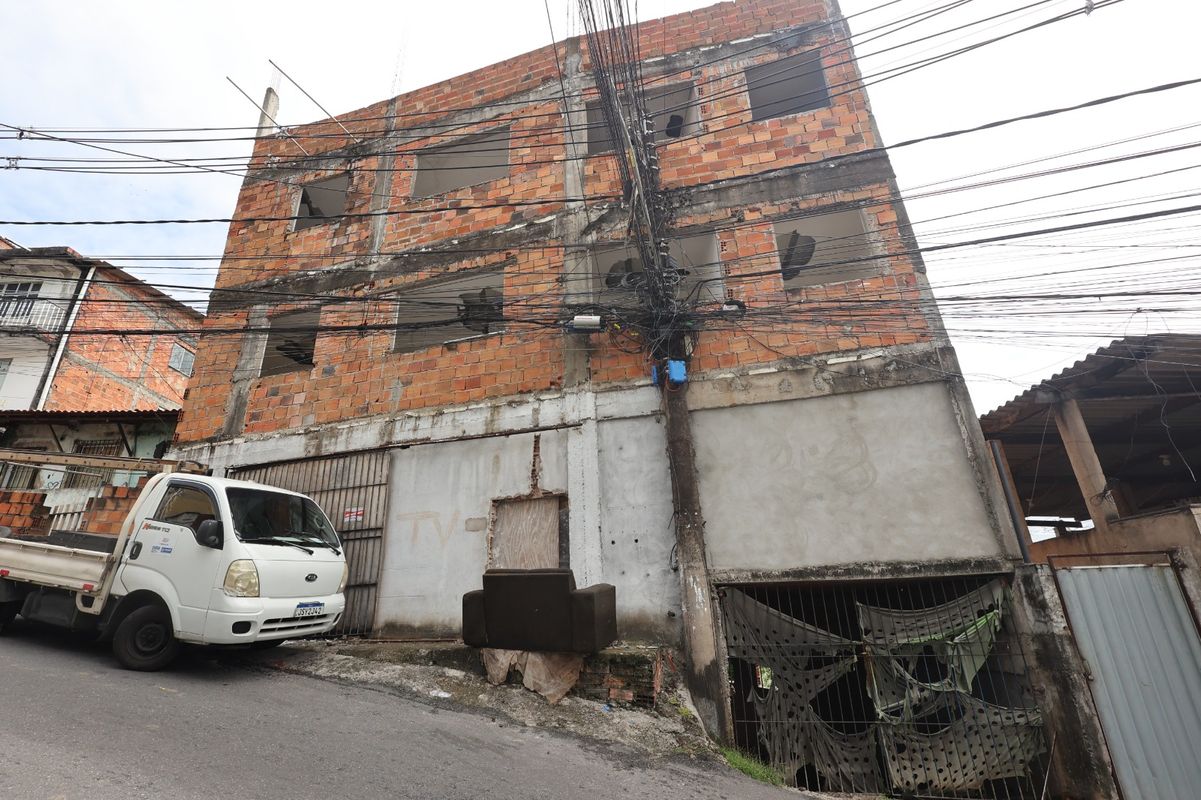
(278, 518)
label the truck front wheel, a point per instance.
(145, 641)
(8, 612)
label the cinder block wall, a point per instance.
(738, 177)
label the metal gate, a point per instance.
(906, 688)
(1134, 628)
(353, 490)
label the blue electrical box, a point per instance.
(677, 372)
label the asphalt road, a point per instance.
(73, 726)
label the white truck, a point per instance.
(203, 560)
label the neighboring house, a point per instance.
(50, 300)
(1102, 463)
(1107, 453)
(404, 295)
(92, 361)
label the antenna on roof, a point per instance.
(306, 94)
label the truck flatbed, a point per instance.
(76, 540)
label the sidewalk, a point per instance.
(451, 675)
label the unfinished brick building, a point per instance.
(405, 356)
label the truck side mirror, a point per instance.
(211, 533)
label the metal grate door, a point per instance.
(353, 490)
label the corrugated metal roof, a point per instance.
(1141, 401)
(7, 417)
(1163, 360)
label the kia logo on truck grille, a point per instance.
(312, 576)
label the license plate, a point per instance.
(309, 610)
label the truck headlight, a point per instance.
(345, 578)
(242, 579)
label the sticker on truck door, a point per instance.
(164, 547)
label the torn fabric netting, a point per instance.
(919, 667)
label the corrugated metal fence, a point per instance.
(1134, 629)
(353, 490)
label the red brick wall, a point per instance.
(358, 374)
(23, 512)
(106, 513)
(102, 371)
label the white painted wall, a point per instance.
(439, 507)
(638, 537)
(847, 480)
(865, 477)
(29, 356)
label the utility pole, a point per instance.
(667, 329)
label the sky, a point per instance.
(1016, 311)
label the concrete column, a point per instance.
(250, 360)
(577, 265)
(267, 111)
(1087, 467)
(584, 493)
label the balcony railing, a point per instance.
(32, 314)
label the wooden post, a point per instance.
(1085, 464)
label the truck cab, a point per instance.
(203, 560)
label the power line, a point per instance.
(546, 201)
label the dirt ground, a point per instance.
(453, 677)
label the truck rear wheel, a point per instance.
(145, 641)
(8, 612)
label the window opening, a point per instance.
(464, 305)
(322, 202)
(620, 274)
(84, 477)
(529, 533)
(829, 248)
(182, 360)
(19, 476)
(672, 108)
(17, 299)
(788, 85)
(467, 162)
(291, 342)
